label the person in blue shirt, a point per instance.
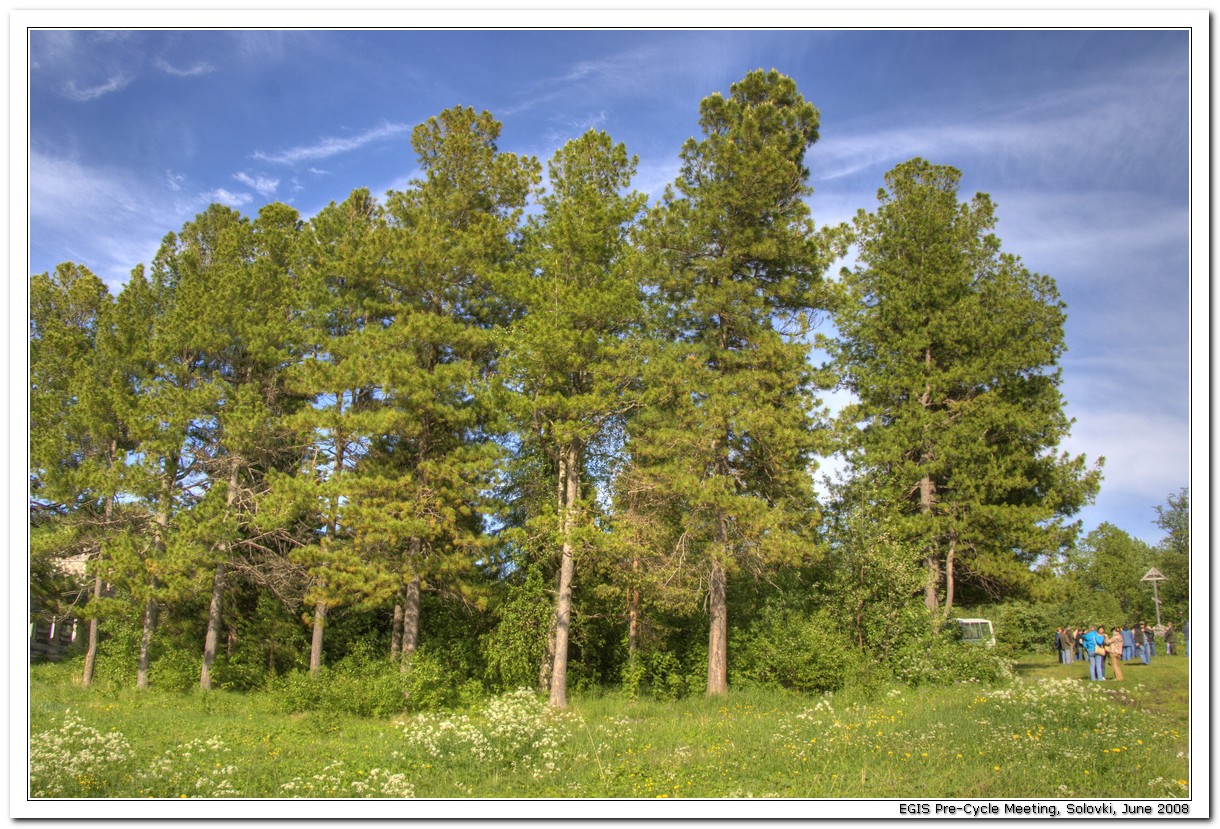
(1128, 644)
(1095, 648)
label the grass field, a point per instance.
(1049, 733)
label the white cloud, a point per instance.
(223, 196)
(62, 190)
(327, 147)
(114, 83)
(174, 180)
(1093, 233)
(106, 219)
(195, 69)
(261, 184)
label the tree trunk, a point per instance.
(569, 482)
(548, 657)
(212, 638)
(315, 647)
(949, 558)
(396, 628)
(146, 636)
(410, 620)
(160, 530)
(633, 614)
(927, 496)
(213, 635)
(91, 652)
(717, 639)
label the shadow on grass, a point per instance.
(1030, 666)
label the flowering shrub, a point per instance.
(198, 768)
(330, 782)
(74, 759)
(517, 729)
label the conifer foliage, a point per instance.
(492, 429)
(951, 348)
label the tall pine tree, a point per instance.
(951, 350)
(569, 359)
(729, 433)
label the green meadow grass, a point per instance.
(1049, 733)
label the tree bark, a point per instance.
(212, 638)
(160, 530)
(949, 559)
(633, 614)
(548, 657)
(569, 482)
(315, 646)
(91, 651)
(332, 526)
(396, 627)
(927, 495)
(410, 620)
(150, 624)
(213, 635)
(717, 640)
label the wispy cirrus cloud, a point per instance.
(678, 64)
(223, 196)
(105, 218)
(261, 184)
(108, 218)
(114, 83)
(194, 70)
(1110, 126)
(332, 146)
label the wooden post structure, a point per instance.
(1154, 575)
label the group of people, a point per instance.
(1121, 644)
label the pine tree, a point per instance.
(77, 440)
(251, 333)
(168, 401)
(419, 501)
(343, 262)
(729, 433)
(951, 348)
(568, 358)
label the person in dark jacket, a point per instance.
(1141, 647)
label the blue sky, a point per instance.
(1081, 137)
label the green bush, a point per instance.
(175, 668)
(1021, 627)
(664, 675)
(373, 691)
(514, 648)
(375, 686)
(943, 659)
(799, 651)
